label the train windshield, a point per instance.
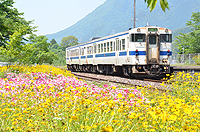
(152, 39)
(166, 38)
(138, 37)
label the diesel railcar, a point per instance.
(139, 51)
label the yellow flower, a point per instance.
(40, 110)
(173, 117)
(119, 95)
(107, 129)
(131, 95)
(167, 75)
(129, 122)
(74, 117)
(113, 87)
(60, 106)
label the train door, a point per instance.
(117, 51)
(79, 55)
(153, 49)
(85, 54)
(67, 57)
(70, 57)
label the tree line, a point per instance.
(60, 49)
(190, 42)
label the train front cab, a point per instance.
(158, 51)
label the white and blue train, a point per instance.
(143, 50)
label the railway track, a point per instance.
(155, 84)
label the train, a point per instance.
(142, 51)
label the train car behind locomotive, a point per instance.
(140, 51)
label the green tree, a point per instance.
(54, 45)
(190, 42)
(37, 51)
(40, 50)
(13, 47)
(53, 41)
(152, 4)
(11, 21)
(68, 42)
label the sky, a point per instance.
(52, 16)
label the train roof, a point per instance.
(98, 39)
(138, 29)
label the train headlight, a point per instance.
(136, 52)
(166, 30)
(138, 30)
(168, 53)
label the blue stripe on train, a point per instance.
(83, 57)
(124, 53)
(77, 57)
(139, 52)
(90, 56)
(144, 53)
(105, 55)
(165, 53)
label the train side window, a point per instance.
(123, 44)
(114, 48)
(101, 48)
(138, 37)
(108, 47)
(170, 38)
(87, 50)
(77, 52)
(166, 38)
(104, 47)
(117, 45)
(82, 51)
(127, 42)
(70, 53)
(111, 46)
(73, 53)
(91, 50)
(120, 45)
(95, 48)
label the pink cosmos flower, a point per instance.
(105, 85)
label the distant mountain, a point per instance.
(115, 16)
(184, 30)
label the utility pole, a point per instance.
(134, 14)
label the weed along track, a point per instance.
(154, 84)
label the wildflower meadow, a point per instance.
(45, 98)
